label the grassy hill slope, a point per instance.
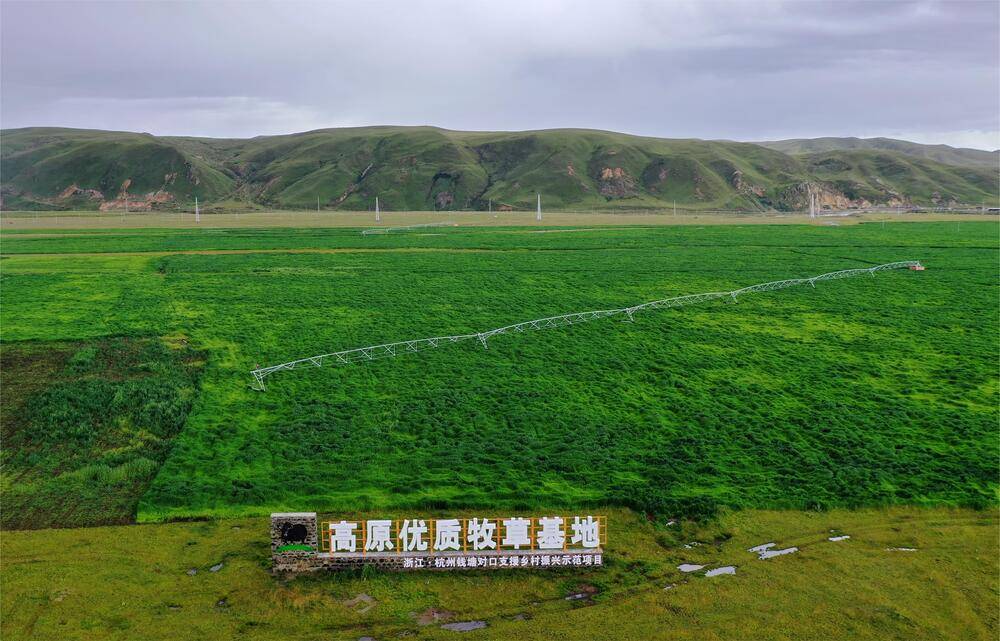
(426, 168)
(78, 168)
(880, 176)
(946, 154)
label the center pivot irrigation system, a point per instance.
(388, 350)
(386, 230)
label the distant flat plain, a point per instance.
(26, 220)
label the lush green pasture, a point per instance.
(862, 391)
(154, 582)
(570, 238)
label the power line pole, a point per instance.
(378, 214)
(491, 206)
(197, 212)
(317, 204)
(538, 215)
(675, 208)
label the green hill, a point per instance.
(46, 168)
(426, 168)
(941, 153)
(882, 176)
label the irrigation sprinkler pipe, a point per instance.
(386, 230)
(387, 350)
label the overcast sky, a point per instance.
(924, 71)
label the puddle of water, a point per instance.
(901, 549)
(839, 538)
(464, 626)
(727, 569)
(584, 591)
(689, 567)
(767, 554)
(757, 549)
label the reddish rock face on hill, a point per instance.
(615, 182)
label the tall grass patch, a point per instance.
(87, 425)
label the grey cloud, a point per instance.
(741, 70)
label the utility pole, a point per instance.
(491, 206)
(317, 204)
(538, 215)
(378, 214)
(197, 212)
(675, 208)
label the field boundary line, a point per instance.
(388, 350)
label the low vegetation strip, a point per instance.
(156, 582)
(389, 350)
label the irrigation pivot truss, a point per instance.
(388, 350)
(387, 230)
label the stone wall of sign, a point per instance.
(291, 531)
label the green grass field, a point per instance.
(865, 407)
(858, 392)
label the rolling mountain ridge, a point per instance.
(941, 153)
(426, 168)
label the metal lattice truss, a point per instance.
(388, 350)
(387, 230)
